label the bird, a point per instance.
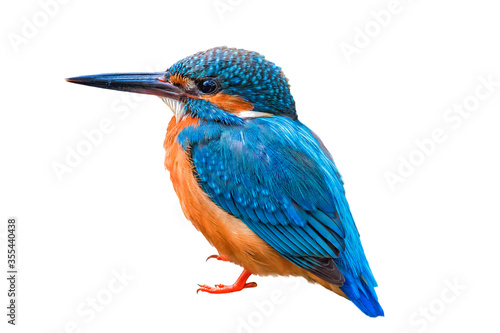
(256, 182)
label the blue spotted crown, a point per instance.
(244, 73)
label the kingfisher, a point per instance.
(256, 182)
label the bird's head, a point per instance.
(221, 84)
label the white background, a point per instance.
(117, 210)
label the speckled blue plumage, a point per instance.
(273, 173)
(243, 73)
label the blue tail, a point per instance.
(362, 295)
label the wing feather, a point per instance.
(280, 186)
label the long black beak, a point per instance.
(142, 83)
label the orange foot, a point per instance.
(240, 284)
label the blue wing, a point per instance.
(275, 175)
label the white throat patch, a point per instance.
(177, 107)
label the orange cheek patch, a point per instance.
(230, 103)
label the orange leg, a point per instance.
(240, 284)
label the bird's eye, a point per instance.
(207, 86)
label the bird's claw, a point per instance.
(218, 257)
(225, 289)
